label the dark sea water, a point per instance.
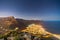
(52, 26)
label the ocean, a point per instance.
(52, 26)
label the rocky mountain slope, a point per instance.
(10, 23)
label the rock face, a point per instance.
(10, 23)
(7, 23)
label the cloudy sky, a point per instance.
(31, 9)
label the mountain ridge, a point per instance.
(10, 23)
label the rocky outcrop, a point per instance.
(9, 23)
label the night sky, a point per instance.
(31, 9)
